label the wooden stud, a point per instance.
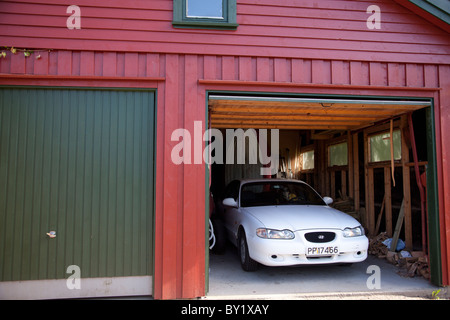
(388, 200)
(398, 227)
(380, 215)
(406, 185)
(355, 171)
(370, 206)
(350, 164)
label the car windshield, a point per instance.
(275, 193)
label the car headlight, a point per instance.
(274, 234)
(353, 232)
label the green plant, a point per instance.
(435, 294)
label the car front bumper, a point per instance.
(297, 251)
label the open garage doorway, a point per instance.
(341, 146)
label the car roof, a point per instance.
(243, 181)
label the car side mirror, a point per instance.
(230, 202)
(328, 200)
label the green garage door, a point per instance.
(78, 162)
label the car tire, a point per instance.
(220, 235)
(247, 263)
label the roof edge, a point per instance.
(432, 11)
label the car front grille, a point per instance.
(320, 236)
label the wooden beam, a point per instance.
(269, 125)
(388, 200)
(406, 185)
(370, 206)
(344, 183)
(398, 227)
(355, 175)
(380, 215)
(350, 164)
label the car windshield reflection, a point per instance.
(278, 193)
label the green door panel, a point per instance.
(79, 162)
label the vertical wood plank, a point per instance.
(64, 63)
(281, 70)
(366, 181)
(355, 175)
(245, 68)
(414, 75)
(317, 71)
(109, 64)
(378, 74)
(41, 64)
(297, 71)
(153, 63)
(189, 205)
(396, 75)
(168, 276)
(388, 200)
(17, 64)
(228, 68)
(359, 73)
(431, 76)
(87, 63)
(338, 73)
(444, 106)
(406, 184)
(350, 165)
(209, 69)
(262, 69)
(131, 64)
(332, 177)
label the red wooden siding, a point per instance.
(182, 81)
(297, 46)
(297, 29)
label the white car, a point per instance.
(279, 222)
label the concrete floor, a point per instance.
(228, 281)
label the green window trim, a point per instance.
(181, 20)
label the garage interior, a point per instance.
(368, 154)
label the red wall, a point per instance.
(276, 48)
(292, 28)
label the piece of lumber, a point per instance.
(380, 215)
(398, 226)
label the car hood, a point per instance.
(298, 217)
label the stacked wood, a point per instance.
(412, 265)
(377, 247)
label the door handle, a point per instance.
(51, 234)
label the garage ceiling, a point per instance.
(304, 113)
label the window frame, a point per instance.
(181, 20)
(330, 148)
(380, 133)
(302, 152)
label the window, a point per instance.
(338, 154)
(211, 9)
(204, 14)
(380, 146)
(307, 160)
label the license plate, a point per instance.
(321, 251)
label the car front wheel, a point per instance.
(247, 263)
